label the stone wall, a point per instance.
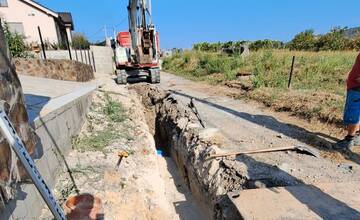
(55, 69)
(12, 94)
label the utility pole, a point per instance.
(114, 32)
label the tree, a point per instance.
(305, 40)
(266, 44)
(16, 42)
(334, 40)
(79, 41)
(356, 42)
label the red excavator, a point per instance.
(137, 52)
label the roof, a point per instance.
(66, 19)
(42, 8)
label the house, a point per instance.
(25, 16)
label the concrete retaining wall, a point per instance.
(103, 59)
(82, 56)
(64, 119)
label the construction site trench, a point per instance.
(180, 137)
(169, 172)
(216, 183)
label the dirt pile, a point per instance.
(55, 69)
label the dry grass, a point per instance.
(318, 86)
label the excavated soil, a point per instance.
(179, 133)
(168, 174)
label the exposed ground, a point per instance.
(146, 185)
(247, 117)
(318, 82)
(187, 185)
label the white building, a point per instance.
(25, 16)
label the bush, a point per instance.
(305, 40)
(79, 41)
(16, 42)
(334, 40)
(266, 44)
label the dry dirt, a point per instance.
(146, 185)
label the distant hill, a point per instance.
(351, 32)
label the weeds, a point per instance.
(114, 110)
(99, 139)
(314, 73)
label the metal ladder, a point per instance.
(10, 134)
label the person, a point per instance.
(352, 109)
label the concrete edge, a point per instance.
(70, 109)
(59, 105)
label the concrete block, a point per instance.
(59, 121)
(43, 168)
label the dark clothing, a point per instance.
(353, 81)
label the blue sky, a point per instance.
(184, 22)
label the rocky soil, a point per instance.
(145, 185)
(55, 69)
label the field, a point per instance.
(318, 84)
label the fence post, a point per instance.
(68, 46)
(76, 56)
(291, 72)
(82, 60)
(88, 53)
(93, 58)
(42, 43)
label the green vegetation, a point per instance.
(79, 41)
(336, 39)
(98, 140)
(16, 42)
(114, 110)
(318, 86)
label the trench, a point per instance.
(186, 146)
(177, 134)
(175, 178)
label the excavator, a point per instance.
(137, 51)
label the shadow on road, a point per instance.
(324, 205)
(318, 140)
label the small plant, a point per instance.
(79, 41)
(97, 141)
(16, 42)
(114, 110)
